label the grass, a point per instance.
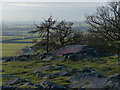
(11, 49)
(11, 37)
(24, 69)
(24, 40)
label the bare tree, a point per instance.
(64, 32)
(106, 22)
(44, 31)
(78, 37)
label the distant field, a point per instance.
(11, 49)
(10, 37)
(25, 40)
(11, 45)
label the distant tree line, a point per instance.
(103, 34)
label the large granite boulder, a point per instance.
(87, 73)
(76, 52)
(88, 78)
(113, 82)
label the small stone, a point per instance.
(1, 70)
(48, 58)
(48, 67)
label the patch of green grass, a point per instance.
(24, 40)
(11, 37)
(12, 49)
(63, 80)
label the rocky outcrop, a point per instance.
(87, 73)
(90, 78)
(73, 49)
(49, 57)
(7, 87)
(46, 68)
(113, 82)
(86, 77)
(13, 80)
(76, 52)
(72, 52)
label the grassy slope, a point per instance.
(23, 69)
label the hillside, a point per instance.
(58, 72)
(76, 47)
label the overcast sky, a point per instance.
(55, 0)
(35, 11)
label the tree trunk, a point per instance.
(47, 46)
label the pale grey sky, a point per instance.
(55, 0)
(35, 11)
